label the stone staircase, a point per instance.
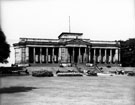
(79, 67)
(83, 67)
(111, 65)
(43, 64)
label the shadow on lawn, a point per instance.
(15, 89)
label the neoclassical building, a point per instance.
(68, 48)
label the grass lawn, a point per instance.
(104, 90)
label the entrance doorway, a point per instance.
(73, 57)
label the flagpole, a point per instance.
(69, 25)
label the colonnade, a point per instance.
(44, 55)
(106, 55)
(94, 55)
(73, 55)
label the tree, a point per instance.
(4, 48)
(128, 52)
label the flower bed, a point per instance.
(13, 71)
(69, 74)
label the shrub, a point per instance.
(91, 73)
(131, 74)
(44, 73)
(108, 66)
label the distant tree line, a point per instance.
(128, 52)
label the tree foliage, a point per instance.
(4, 48)
(128, 52)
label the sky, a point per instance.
(96, 19)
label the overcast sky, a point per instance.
(96, 19)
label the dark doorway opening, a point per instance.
(76, 55)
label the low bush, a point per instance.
(108, 66)
(43, 73)
(91, 73)
(131, 74)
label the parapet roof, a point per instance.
(69, 33)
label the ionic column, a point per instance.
(116, 56)
(79, 55)
(110, 55)
(100, 55)
(94, 56)
(27, 55)
(89, 56)
(85, 56)
(52, 55)
(119, 56)
(73, 54)
(105, 55)
(46, 55)
(15, 56)
(34, 55)
(40, 55)
(59, 56)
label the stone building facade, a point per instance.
(68, 48)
